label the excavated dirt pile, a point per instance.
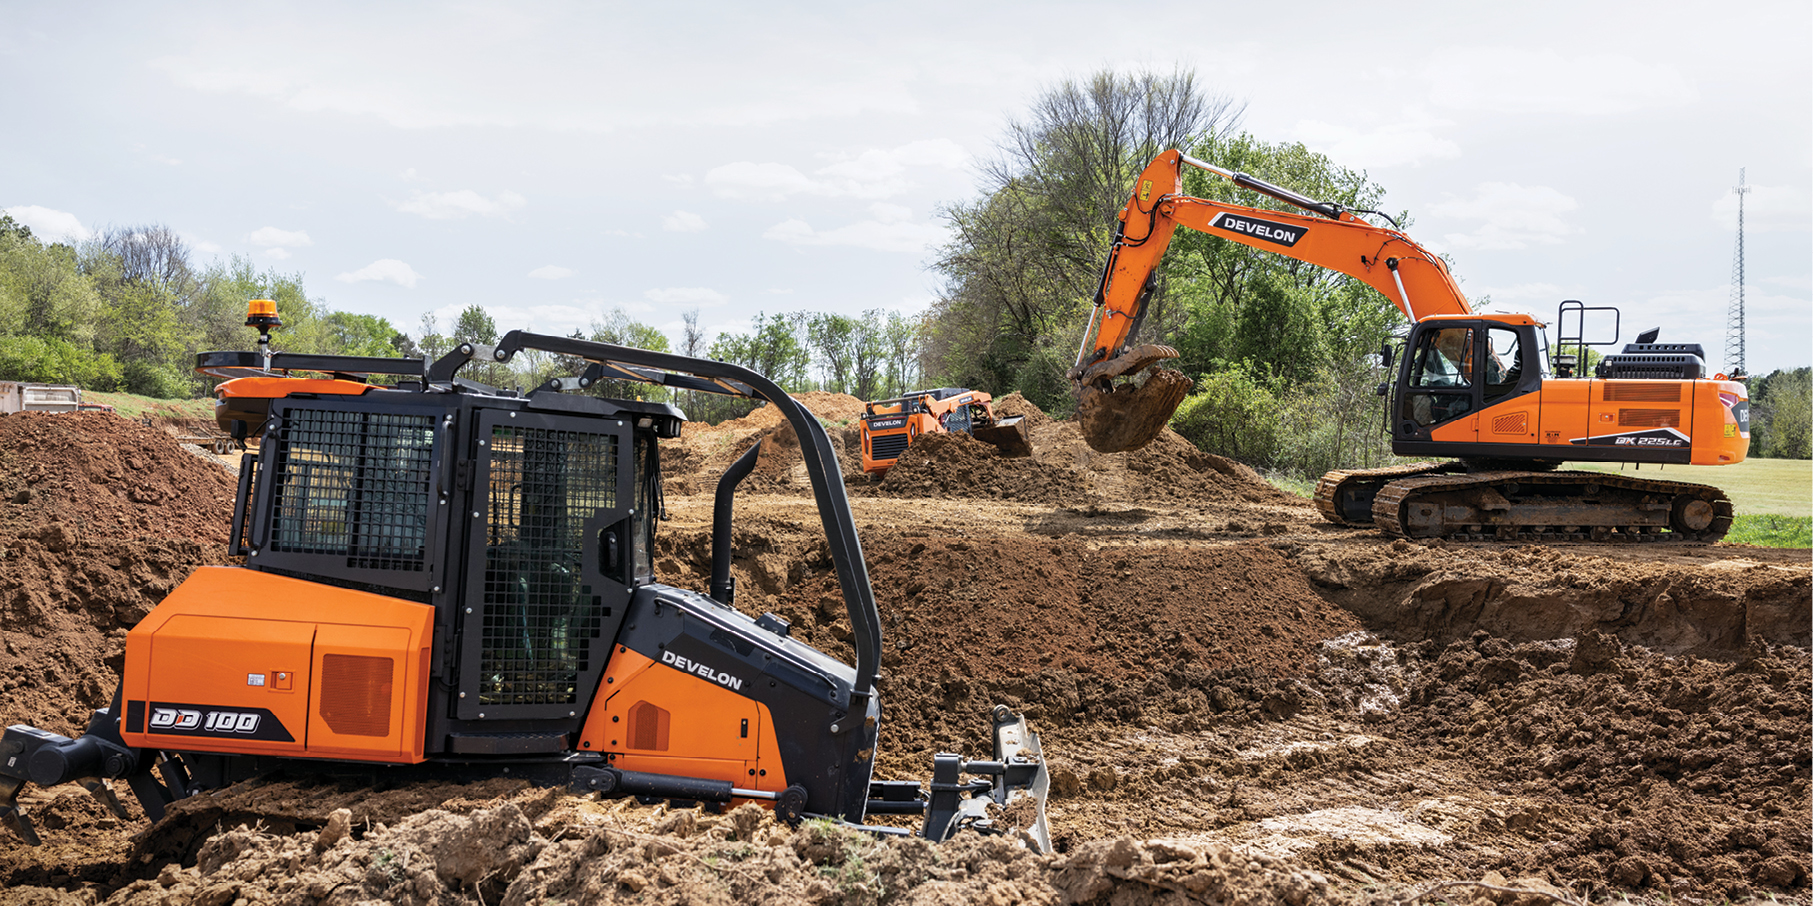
(100, 517)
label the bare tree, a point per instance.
(153, 256)
(1027, 255)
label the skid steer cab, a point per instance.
(443, 580)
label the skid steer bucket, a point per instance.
(1009, 435)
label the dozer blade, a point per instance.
(1118, 418)
(1009, 435)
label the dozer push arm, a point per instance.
(1414, 279)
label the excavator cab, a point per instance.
(1459, 366)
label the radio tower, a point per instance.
(1734, 322)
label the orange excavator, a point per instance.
(1473, 386)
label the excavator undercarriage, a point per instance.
(1445, 500)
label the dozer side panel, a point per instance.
(1725, 404)
(663, 718)
(823, 741)
(235, 641)
(220, 684)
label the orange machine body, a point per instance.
(1568, 413)
(246, 662)
(667, 719)
(890, 426)
(248, 399)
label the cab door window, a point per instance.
(1441, 377)
(1504, 363)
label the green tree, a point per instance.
(367, 335)
(1782, 415)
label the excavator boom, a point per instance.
(1124, 418)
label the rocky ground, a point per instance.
(1239, 702)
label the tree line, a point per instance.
(128, 310)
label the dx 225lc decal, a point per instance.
(1654, 437)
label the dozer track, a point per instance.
(1345, 497)
(1550, 506)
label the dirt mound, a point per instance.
(523, 850)
(1698, 769)
(104, 476)
(1411, 591)
(958, 465)
(100, 517)
(1064, 469)
(1067, 634)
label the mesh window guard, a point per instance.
(354, 484)
(540, 617)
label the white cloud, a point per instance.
(1514, 217)
(50, 225)
(203, 246)
(1767, 209)
(1517, 80)
(685, 295)
(272, 236)
(278, 254)
(1384, 145)
(550, 272)
(383, 270)
(1539, 292)
(683, 222)
(465, 202)
(408, 175)
(875, 173)
(890, 235)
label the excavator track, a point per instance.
(1345, 497)
(1551, 506)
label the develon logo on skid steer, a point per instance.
(732, 683)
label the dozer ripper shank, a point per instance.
(447, 581)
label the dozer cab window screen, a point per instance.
(352, 494)
(546, 584)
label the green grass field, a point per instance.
(131, 405)
(1757, 487)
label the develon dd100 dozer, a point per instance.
(447, 581)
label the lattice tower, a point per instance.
(1734, 320)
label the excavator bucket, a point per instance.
(1117, 418)
(1009, 435)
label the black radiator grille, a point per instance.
(540, 618)
(887, 446)
(354, 484)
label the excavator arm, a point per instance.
(1125, 418)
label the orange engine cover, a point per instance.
(246, 662)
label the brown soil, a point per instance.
(1239, 703)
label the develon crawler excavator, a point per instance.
(443, 580)
(1472, 385)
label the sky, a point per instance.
(555, 161)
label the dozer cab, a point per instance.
(445, 580)
(890, 426)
